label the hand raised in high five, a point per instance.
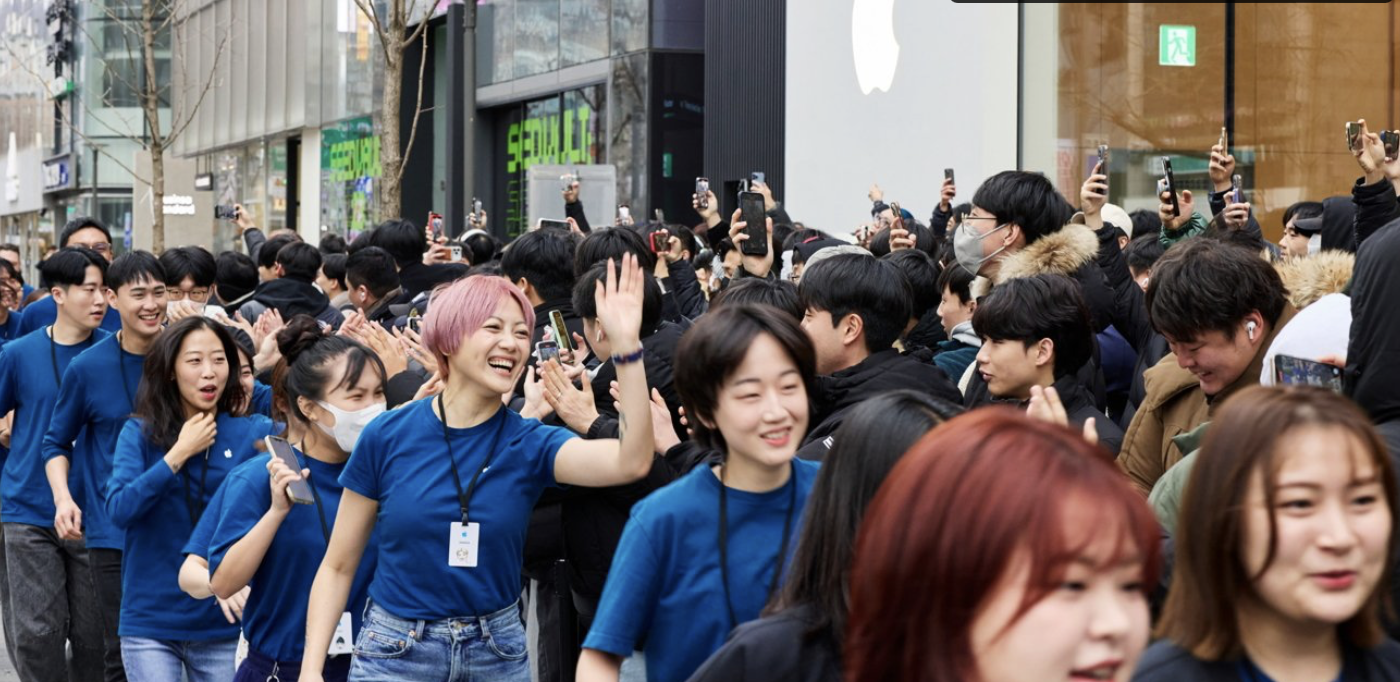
(619, 300)
(573, 405)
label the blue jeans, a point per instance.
(475, 649)
(160, 660)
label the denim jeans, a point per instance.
(107, 585)
(52, 604)
(160, 660)
(476, 649)
(260, 668)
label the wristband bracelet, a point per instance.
(629, 358)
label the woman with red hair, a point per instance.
(1001, 549)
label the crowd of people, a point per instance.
(1018, 442)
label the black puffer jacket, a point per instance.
(1372, 376)
(885, 371)
(1375, 205)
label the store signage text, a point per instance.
(536, 141)
(57, 174)
(177, 204)
(354, 159)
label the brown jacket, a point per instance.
(1175, 404)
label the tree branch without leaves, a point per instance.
(367, 7)
(417, 107)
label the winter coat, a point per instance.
(684, 299)
(927, 333)
(879, 373)
(1321, 274)
(1072, 251)
(1166, 494)
(291, 297)
(1175, 404)
(1372, 376)
(955, 355)
(1375, 206)
(1194, 227)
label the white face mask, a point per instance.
(348, 425)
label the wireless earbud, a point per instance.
(1249, 328)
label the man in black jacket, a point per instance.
(374, 284)
(407, 244)
(293, 292)
(856, 307)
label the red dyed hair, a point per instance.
(460, 308)
(969, 498)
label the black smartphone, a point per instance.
(224, 212)
(547, 222)
(752, 212)
(702, 186)
(299, 490)
(1353, 135)
(1289, 370)
(546, 351)
(1171, 186)
(948, 175)
(561, 331)
(415, 322)
(1391, 140)
(660, 241)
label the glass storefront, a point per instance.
(565, 129)
(521, 38)
(349, 171)
(1162, 79)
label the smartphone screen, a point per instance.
(299, 490)
(561, 224)
(1238, 192)
(1171, 186)
(546, 351)
(702, 186)
(660, 241)
(561, 331)
(1391, 140)
(752, 212)
(1353, 135)
(1289, 370)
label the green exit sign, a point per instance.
(1176, 46)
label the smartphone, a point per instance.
(1391, 140)
(1102, 167)
(702, 186)
(1292, 371)
(1238, 192)
(1224, 139)
(224, 212)
(456, 252)
(896, 223)
(660, 241)
(623, 212)
(547, 222)
(757, 176)
(1171, 186)
(299, 490)
(948, 175)
(435, 224)
(561, 331)
(476, 207)
(752, 212)
(546, 351)
(1353, 135)
(415, 322)
(566, 181)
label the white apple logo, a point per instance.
(873, 44)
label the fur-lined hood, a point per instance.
(1308, 279)
(1063, 252)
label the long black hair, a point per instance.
(158, 402)
(869, 442)
(307, 353)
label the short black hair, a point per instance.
(1202, 285)
(135, 266)
(587, 308)
(723, 247)
(1145, 221)
(779, 294)
(1144, 251)
(333, 243)
(1028, 309)
(600, 245)
(956, 280)
(1303, 209)
(921, 272)
(69, 267)
(483, 248)
(544, 258)
(862, 285)
(373, 268)
(364, 239)
(1026, 199)
(333, 267)
(267, 253)
(82, 223)
(714, 348)
(300, 261)
(402, 239)
(235, 275)
(189, 261)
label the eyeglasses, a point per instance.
(100, 247)
(196, 295)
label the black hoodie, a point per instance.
(885, 371)
(291, 297)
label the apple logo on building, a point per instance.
(873, 44)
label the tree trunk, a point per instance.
(150, 105)
(157, 197)
(391, 150)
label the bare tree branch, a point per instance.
(419, 31)
(417, 107)
(368, 9)
(178, 129)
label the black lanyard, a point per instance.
(190, 504)
(53, 357)
(724, 543)
(320, 511)
(464, 498)
(121, 365)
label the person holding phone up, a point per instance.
(168, 463)
(450, 483)
(326, 389)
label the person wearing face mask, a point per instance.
(963, 572)
(1283, 547)
(83, 431)
(450, 483)
(715, 541)
(170, 459)
(328, 388)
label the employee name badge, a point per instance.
(462, 547)
(344, 640)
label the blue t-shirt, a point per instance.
(90, 413)
(150, 502)
(261, 402)
(203, 533)
(43, 312)
(29, 385)
(10, 330)
(401, 462)
(274, 620)
(665, 586)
